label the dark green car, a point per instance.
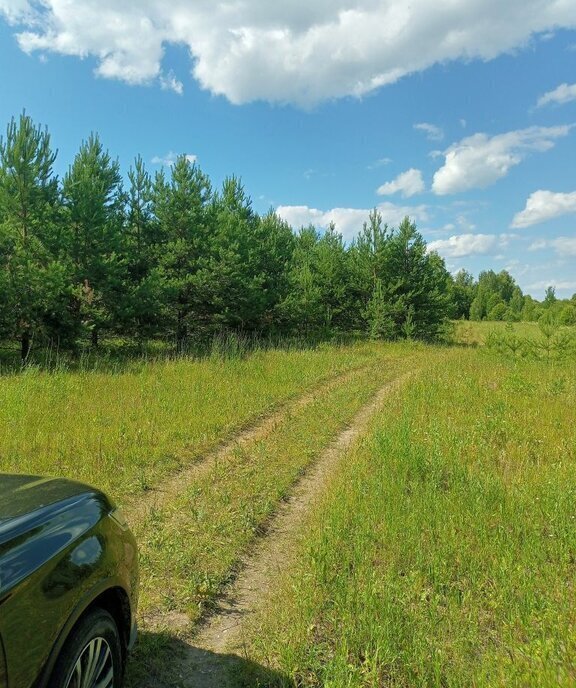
(68, 585)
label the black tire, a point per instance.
(92, 652)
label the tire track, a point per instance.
(137, 509)
(211, 655)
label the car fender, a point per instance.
(86, 601)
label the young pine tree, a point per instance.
(93, 200)
(33, 281)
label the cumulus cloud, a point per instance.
(170, 158)
(559, 285)
(461, 245)
(299, 51)
(408, 184)
(348, 221)
(168, 82)
(545, 205)
(480, 160)
(562, 94)
(433, 133)
(564, 246)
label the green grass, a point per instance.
(124, 431)
(444, 552)
(474, 333)
(189, 549)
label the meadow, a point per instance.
(444, 550)
(125, 429)
(441, 553)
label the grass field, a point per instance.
(444, 552)
(124, 431)
(192, 545)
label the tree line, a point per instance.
(496, 296)
(167, 255)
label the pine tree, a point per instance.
(183, 208)
(33, 281)
(93, 200)
(140, 310)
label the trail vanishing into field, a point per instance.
(210, 656)
(137, 509)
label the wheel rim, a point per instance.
(94, 667)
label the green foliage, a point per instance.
(497, 311)
(172, 257)
(442, 551)
(462, 293)
(32, 280)
(550, 297)
(551, 343)
(401, 287)
(568, 315)
(497, 297)
(93, 207)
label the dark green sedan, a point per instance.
(68, 585)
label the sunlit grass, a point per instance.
(474, 333)
(124, 431)
(189, 549)
(444, 553)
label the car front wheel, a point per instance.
(92, 655)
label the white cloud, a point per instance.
(379, 163)
(408, 184)
(538, 245)
(480, 160)
(545, 205)
(461, 245)
(170, 158)
(168, 82)
(562, 94)
(564, 246)
(559, 285)
(299, 51)
(433, 133)
(348, 221)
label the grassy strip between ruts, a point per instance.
(444, 552)
(190, 548)
(125, 431)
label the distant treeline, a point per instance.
(496, 296)
(169, 256)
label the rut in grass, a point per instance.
(138, 509)
(215, 654)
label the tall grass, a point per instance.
(444, 553)
(124, 431)
(189, 548)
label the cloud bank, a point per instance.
(462, 245)
(545, 205)
(564, 246)
(296, 51)
(480, 160)
(560, 95)
(408, 184)
(170, 158)
(348, 221)
(433, 133)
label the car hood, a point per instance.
(22, 494)
(40, 517)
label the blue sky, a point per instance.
(461, 115)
